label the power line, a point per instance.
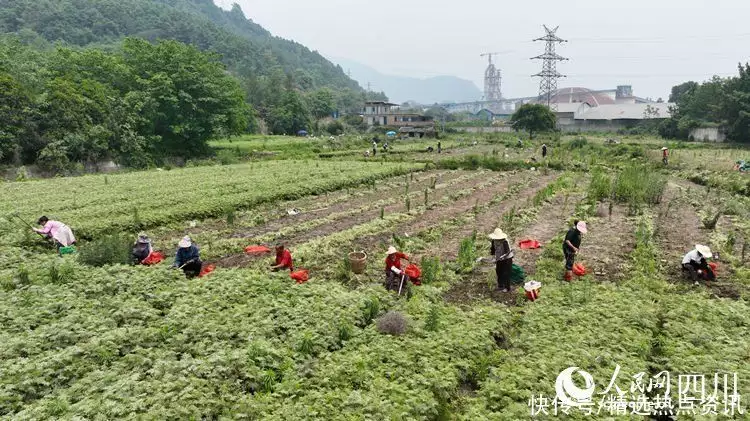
(549, 73)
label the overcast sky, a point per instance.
(650, 44)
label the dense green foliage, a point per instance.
(107, 94)
(135, 105)
(94, 204)
(245, 46)
(533, 118)
(723, 102)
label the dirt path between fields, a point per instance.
(438, 214)
(347, 222)
(551, 220)
(606, 249)
(317, 206)
(487, 220)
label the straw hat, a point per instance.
(664, 148)
(185, 242)
(704, 250)
(581, 226)
(498, 234)
(391, 250)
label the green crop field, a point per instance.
(116, 341)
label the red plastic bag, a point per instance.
(529, 244)
(300, 275)
(579, 269)
(206, 269)
(413, 271)
(257, 250)
(154, 258)
(714, 266)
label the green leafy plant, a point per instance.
(467, 253)
(371, 310)
(109, 249)
(431, 269)
(432, 323)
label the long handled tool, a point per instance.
(15, 215)
(187, 263)
(403, 276)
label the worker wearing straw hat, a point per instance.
(571, 246)
(141, 249)
(694, 264)
(503, 253)
(393, 268)
(188, 258)
(665, 155)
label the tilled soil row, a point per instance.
(429, 218)
(487, 220)
(396, 195)
(606, 249)
(437, 214)
(678, 229)
(319, 206)
(292, 240)
(550, 220)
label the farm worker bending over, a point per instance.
(571, 246)
(59, 232)
(393, 268)
(544, 150)
(141, 249)
(695, 265)
(188, 258)
(503, 253)
(283, 259)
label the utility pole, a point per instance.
(549, 73)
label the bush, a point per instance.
(467, 253)
(639, 185)
(335, 128)
(392, 323)
(430, 269)
(111, 249)
(600, 187)
(579, 143)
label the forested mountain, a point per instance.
(141, 81)
(245, 47)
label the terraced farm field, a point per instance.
(136, 342)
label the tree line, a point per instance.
(140, 103)
(719, 102)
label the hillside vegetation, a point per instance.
(245, 46)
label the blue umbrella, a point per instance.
(302, 133)
(391, 133)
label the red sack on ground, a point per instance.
(257, 250)
(206, 269)
(714, 266)
(529, 244)
(300, 275)
(579, 269)
(154, 258)
(413, 271)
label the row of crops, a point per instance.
(123, 342)
(145, 199)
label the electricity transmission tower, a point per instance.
(492, 80)
(549, 73)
